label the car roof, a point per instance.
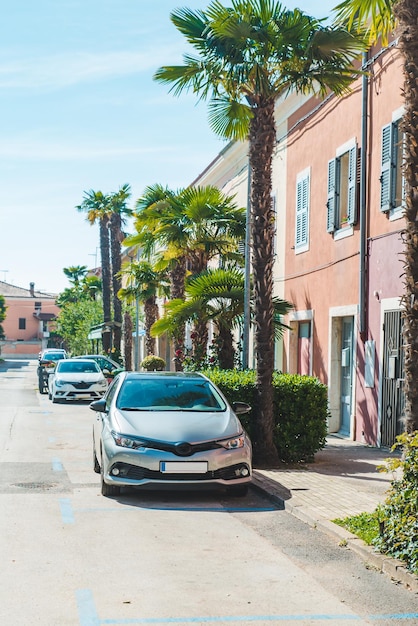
(179, 375)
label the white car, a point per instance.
(76, 379)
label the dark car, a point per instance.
(169, 430)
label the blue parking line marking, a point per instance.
(86, 609)
(66, 511)
(88, 616)
(57, 465)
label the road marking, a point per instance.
(57, 465)
(66, 511)
(88, 616)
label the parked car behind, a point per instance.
(77, 379)
(47, 361)
(170, 430)
(109, 367)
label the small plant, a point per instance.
(364, 525)
(153, 363)
(398, 515)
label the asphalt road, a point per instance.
(69, 556)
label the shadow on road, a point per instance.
(13, 364)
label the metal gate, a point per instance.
(393, 399)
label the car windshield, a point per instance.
(78, 367)
(161, 394)
(53, 356)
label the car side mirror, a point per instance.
(98, 405)
(240, 408)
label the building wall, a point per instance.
(25, 334)
(323, 281)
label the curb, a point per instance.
(393, 568)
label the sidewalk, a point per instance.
(343, 481)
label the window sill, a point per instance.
(342, 233)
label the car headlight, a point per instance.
(127, 442)
(233, 444)
(102, 383)
(60, 383)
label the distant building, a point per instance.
(30, 317)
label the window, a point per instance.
(302, 212)
(342, 189)
(38, 306)
(22, 323)
(391, 179)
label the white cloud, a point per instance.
(64, 70)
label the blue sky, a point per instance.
(79, 110)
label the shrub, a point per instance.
(300, 410)
(153, 363)
(398, 515)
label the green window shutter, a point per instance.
(331, 195)
(302, 212)
(352, 185)
(386, 169)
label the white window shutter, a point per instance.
(331, 196)
(386, 169)
(352, 185)
(302, 212)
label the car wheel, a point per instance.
(49, 395)
(96, 466)
(239, 491)
(109, 490)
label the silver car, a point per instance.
(169, 430)
(76, 379)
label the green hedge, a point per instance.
(398, 516)
(300, 410)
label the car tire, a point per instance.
(96, 466)
(109, 491)
(239, 491)
(49, 395)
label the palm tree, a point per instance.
(118, 211)
(379, 18)
(217, 296)
(74, 273)
(248, 55)
(96, 204)
(146, 284)
(189, 227)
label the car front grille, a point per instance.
(134, 472)
(82, 385)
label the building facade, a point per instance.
(30, 316)
(337, 196)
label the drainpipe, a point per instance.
(247, 280)
(363, 201)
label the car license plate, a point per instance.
(193, 467)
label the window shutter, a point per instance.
(352, 185)
(386, 164)
(331, 199)
(302, 212)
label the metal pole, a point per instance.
(247, 280)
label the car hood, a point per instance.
(169, 426)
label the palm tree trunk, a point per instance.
(106, 280)
(262, 140)
(226, 348)
(116, 238)
(128, 327)
(406, 12)
(151, 316)
(177, 277)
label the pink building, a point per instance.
(343, 250)
(30, 315)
